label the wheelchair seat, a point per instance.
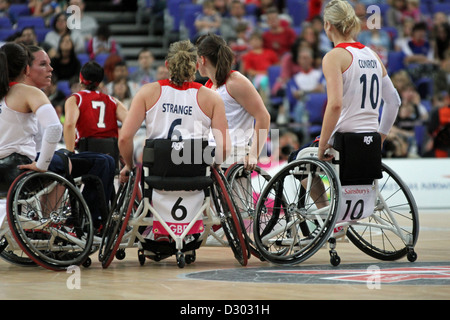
(107, 146)
(9, 171)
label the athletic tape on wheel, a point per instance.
(178, 209)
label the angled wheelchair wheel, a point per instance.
(127, 200)
(246, 188)
(12, 253)
(50, 220)
(296, 212)
(230, 220)
(392, 231)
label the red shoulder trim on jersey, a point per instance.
(356, 45)
(209, 84)
(186, 85)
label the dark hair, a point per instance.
(420, 26)
(33, 49)
(93, 74)
(14, 58)
(219, 53)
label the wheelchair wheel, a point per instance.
(14, 255)
(297, 211)
(127, 200)
(393, 229)
(231, 223)
(245, 190)
(50, 220)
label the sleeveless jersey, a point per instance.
(18, 131)
(361, 91)
(177, 113)
(240, 122)
(97, 115)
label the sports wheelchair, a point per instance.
(246, 187)
(140, 220)
(310, 202)
(49, 221)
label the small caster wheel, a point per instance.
(120, 254)
(411, 256)
(190, 258)
(181, 261)
(335, 260)
(87, 263)
(141, 257)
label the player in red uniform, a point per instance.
(89, 112)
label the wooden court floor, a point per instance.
(128, 280)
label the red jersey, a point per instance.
(97, 115)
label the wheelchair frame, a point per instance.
(283, 244)
(123, 229)
(53, 235)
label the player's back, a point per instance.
(97, 115)
(361, 90)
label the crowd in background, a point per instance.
(281, 56)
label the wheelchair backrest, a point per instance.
(185, 158)
(359, 157)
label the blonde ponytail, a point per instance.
(182, 62)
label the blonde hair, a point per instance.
(343, 17)
(182, 62)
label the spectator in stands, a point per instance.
(308, 80)
(255, 64)
(288, 67)
(237, 18)
(120, 71)
(66, 64)
(439, 129)
(28, 37)
(146, 72)
(378, 40)
(280, 36)
(419, 53)
(162, 72)
(121, 91)
(101, 43)
(43, 8)
(404, 34)
(59, 28)
(441, 36)
(221, 7)
(240, 44)
(395, 13)
(411, 113)
(324, 42)
(311, 37)
(5, 12)
(209, 20)
(88, 23)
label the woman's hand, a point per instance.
(31, 166)
(322, 155)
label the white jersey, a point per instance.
(18, 131)
(362, 91)
(177, 113)
(240, 122)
